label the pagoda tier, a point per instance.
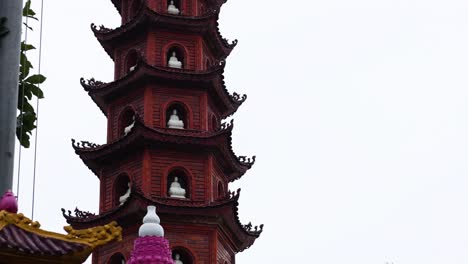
(218, 143)
(175, 213)
(147, 20)
(212, 80)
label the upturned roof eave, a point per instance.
(212, 79)
(227, 209)
(92, 154)
(206, 25)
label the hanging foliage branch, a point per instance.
(28, 87)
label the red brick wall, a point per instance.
(160, 42)
(199, 240)
(133, 99)
(163, 96)
(102, 254)
(162, 161)
(131, 165)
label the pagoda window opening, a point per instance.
(176, 116)
(122, 189)
(126, 122)
(178, 184)
(134, 7)
(175, 57)
(117, 258)
(131, 61)
(220, 191)
(173, 7)
(181, 255)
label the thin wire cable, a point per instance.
(37, 111)
(22, 108)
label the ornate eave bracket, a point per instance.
(84, 144)
(244, 160)
(253, 230)
(100, 29)
(91, 84)
(238, 98)
(78, 214)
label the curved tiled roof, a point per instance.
(213, 79)
(22, 241)
(226, 209)
(220, 141)
(205, 25)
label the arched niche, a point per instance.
(179, 52)
(131, 61)
(182, 112)
(126, 121)
(182, 254)
(117, 258)
(220, 192)
(134, 7)
(121, 187)
(183, 179)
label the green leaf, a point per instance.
(36, 79)
(26, 123)
(26, 47)
(28, 12)
(35, 90)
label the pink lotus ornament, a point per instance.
(8, 202)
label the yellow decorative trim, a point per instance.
(19, 220)
(96, 236)
(92, 237)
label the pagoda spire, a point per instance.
(151, 247)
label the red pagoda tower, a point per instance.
(166, 143)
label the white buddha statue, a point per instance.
(132, 68)
(174, 121)
(128, 128)
(172, 9)
(176, 191)
(177, 259)
(174, 62)
(124, 197)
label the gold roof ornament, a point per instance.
(22, 241)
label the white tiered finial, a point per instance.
(125, 196)
(129, 127)
(151, 226)
(174, 62)
(172, 9)
(174, 121)
(177, 259)
(176, 191)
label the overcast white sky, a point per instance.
(357, 112)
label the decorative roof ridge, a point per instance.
(140, 126)
(93, 84)
(240, 164)
(135, 193)
(91, 237)
(145, 12)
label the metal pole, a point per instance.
(9, 74)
